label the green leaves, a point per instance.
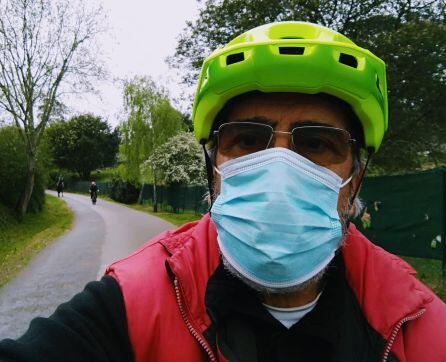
(83, 144)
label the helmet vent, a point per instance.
(348, 59)
(235, 58)
(291, 50)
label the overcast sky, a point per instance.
(143, 33)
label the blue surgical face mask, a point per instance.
(276, 217)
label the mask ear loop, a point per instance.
(210, 175)
(369, 156)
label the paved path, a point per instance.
(101, 234)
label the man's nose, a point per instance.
(281, 140)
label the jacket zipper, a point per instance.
(189, 325)
(396, 330)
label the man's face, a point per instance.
(284, 111)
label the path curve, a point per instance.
(101, 233)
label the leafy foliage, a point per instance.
(409, 35)
(123, 191)
(83, 143)
(179, 161)
(151, 120)
(13, 170)
(415, 54)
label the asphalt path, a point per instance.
(101, 234)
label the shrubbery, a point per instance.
(13, 170)
(123, 191)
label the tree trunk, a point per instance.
(27, 192)
(140, 198)
(155, 199)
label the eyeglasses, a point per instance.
(320, 144)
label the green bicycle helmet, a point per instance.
(294, 57)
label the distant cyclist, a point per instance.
(93, 191)
(59, 187)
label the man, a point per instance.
(93, 191)
(275, 272)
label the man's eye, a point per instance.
(315, 144)
(246, 140)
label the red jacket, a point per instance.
(164, 283)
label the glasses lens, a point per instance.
(240, 139)
(322, 145)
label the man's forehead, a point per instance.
(286, 108)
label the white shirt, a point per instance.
(290, 316)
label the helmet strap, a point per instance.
(210, 175)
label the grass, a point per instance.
(20, 241)
(430, 273)
(176, 219)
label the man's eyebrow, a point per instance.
(312, 123)
(271, 122)
(257, 119)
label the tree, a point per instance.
(179, 161)
(83, 144)
(46, 46)
(408, 34)
(415, 54)
(151, 120)
(13, 169)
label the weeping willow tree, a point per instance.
(150, 121)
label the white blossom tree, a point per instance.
(179, 161)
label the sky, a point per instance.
(142, 34)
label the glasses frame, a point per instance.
(350, 140)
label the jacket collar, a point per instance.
(383, 284)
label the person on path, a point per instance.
(59, 187)
(275, 271)
(93, 191)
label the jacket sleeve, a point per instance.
(92, 326)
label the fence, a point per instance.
(407, 213)
(177, 198)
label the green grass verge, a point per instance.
(20, 241)
(429, 272)
(176, 219)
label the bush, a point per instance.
(123, 191)
(13, 170)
